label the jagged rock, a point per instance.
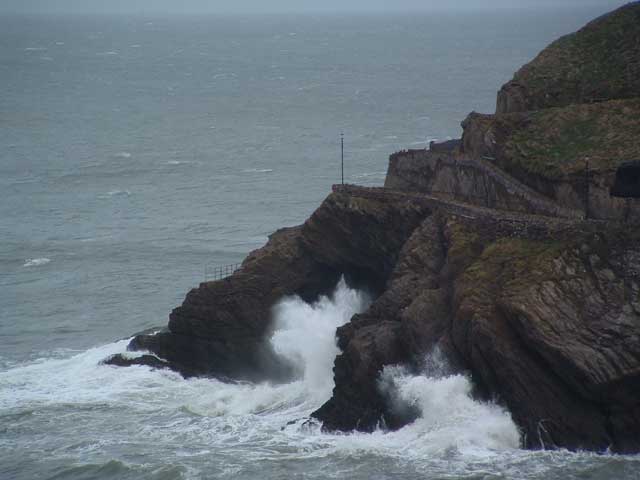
(120, 360)
(550, 327)
(399, 327)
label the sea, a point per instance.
(140, 152)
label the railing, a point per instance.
(212, 273)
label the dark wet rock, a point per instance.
(550, 327)
(120, 360)
(448, 146)
(399, 327)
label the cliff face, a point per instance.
(475, 181)
(544, 313)
(548, 151)
(477, 247)
(552, 326)
(599, 62)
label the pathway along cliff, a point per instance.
(490, 266)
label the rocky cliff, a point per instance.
(569, 119)
(468, 249)
(558, 151)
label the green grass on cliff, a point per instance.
(512, 260)
(599, 62)
(555, 142)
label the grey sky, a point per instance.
(277, 6)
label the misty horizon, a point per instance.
(248, 7)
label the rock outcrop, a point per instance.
(477, 247)
(552, 326)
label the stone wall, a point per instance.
(484, 137)
(475, 181)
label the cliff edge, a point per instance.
(599, 62)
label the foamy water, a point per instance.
(202, 427)
(36, 262)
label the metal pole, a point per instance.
(342, 155)
(586, 188)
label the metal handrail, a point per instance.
(219, 272)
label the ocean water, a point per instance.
(136, 152)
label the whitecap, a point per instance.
(36, 262)
(369, 174)
(258, 170)
(135, 46)
(122, 155)
(450, 420)
(109, 53)
(117, 193)
(60, 44)
(35, 49)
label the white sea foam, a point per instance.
(369, 174)
(75, 380)
(266, 421)
(122, 155)
(35, 49)
(118, 193)
(36, 262)
(305, 334)
(258, 170)
(450, 419)
(179, 162)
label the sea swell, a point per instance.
(142, 423)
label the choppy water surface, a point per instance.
(136, 151)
